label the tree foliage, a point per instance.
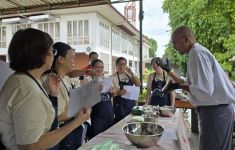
(213, 22)
(152, 51)
(152, 48)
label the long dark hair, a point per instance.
(62, 50)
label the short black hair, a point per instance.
(62, 50)
(93, 63)
(155, 59)
(93, 53)
(119, 59)
(28, 49)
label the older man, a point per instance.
(209, 90)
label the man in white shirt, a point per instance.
(209, 89)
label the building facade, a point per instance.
(98, 28)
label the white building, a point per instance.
(95, 28)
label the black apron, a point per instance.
(74, 139)
(158, 98)
(2, 147)
(122, 106)
(102, 116)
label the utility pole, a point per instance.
(141, 17)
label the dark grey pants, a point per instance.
(216, 127)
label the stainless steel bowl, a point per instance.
(143, 134)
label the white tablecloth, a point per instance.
(175, 136)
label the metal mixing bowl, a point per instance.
(143, 134)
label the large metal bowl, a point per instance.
(143, 134)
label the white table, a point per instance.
(174, 138)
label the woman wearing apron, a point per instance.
(156, 81)
(102, 116)
(124, 76)
(63, 64)
(26, 113)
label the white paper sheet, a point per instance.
(85, 96)
(132, 92)
(107, 84)
(5, 72)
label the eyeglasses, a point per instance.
(121, 64)
(54, 51)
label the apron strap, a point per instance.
(164, 76)
(28, 74)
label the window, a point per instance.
(124, 44)
(115, 40)
(136, 50)
(104, 35)
(105, 58)
(3, 37)
(78, 32)
(52, 28)
(19, 26)
(130, 63)
(136, 67)
(130, 47)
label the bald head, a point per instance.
(183, 31)
(183, 39)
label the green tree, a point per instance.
(213, 22)
(152, 51)
(152, 48)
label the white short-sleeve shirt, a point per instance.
(65, 87)
(25, 112)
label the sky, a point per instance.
(155, 23)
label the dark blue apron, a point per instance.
(55, 123)
(71, 141)
(102, 116)
(122, 106)
(158, 98)
(74, 139)
(2, 147)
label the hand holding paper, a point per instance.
(83, 97)
(132, 92)
(107, 85)
(83, 115)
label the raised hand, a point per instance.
(53, 84)
(92, 72)
(129, 71)
(164, 66)
(170, 86)
(117, 91)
